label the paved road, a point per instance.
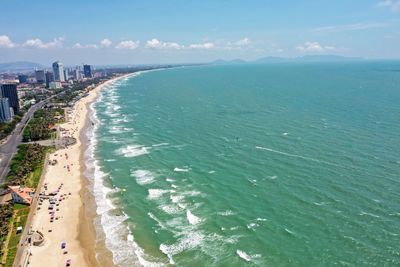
(9, 147)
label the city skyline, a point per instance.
(175, 32)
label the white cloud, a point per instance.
(243, 42)
(351, 27)
(394, 5)
(6, 42)
(237, 44)
(79, 46)
(37, 43)
(314, 47)
(105, 43)
(157, 44)
(128, 44)
(202, 46)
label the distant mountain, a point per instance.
(318, 58)
(308, 58)
(228, 62)
(273, 60)
(19, 66)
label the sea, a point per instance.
(287, 164)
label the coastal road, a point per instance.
(9, 147)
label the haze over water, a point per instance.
(270, 165)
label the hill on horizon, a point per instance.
(19, 66)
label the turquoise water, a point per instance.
(259, 165)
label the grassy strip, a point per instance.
(40, 127)
(19, 219)
(7, 127)
(25, 169)
(6, 215)
(29, 158)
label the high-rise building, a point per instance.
(77, 73)
(40, 76)
(22, 78)
(5, 113)
(66, 74)
(58, 70)
(10, 91)
(49, 78)
(87, 71)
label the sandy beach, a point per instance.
(68, 224)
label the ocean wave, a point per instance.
(295, 156)
(189, 242)
(157, 193)
(192, 219)
(226, 213)
(176, 199)
(181, 169)
(191, 193)
(252, 226)
(245, 256)
(133, 151)
(159, 222)
(143, 177)
(160, 144)
(118, 238)
(124, 250)
(170, 208)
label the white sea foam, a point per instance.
(369, 214)
(133, 151)
(226, 213)
(188, 242)
(252, 226)
(157, 193)
(161, 144)
(192, 219)
(243, 255)
(191, 193)
(170, 208)
(289, 231)
(124, 250)
(169, 180)
(159, 222)
(143, 177)
(294, 155)
(116, 130)
(182, 205)
(176, 199)
(181, 169)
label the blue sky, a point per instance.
(176, 31)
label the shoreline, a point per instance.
(75, 217)
(97, 251)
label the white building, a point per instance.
(55, 85)
(23, 195)
(58, 71)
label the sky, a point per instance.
(186, 31)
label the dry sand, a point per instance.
(73, 226)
